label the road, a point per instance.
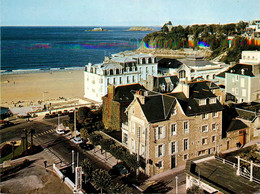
(49, 139)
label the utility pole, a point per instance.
(75, 121)
(72, 162)
(176, 184)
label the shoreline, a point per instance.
(27, 71)
(30, 88)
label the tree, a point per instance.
(22, 141)
(25, 132)
(83, 114)
(84, 133)
(87, 169)
(101, 179)
(195, 190)
(13, 143)
(32, 132)
(117, 188)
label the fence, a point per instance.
(243, 172)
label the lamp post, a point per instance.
(176, 184)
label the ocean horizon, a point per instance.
(45, 48)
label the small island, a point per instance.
(97, 30)
(140, 28)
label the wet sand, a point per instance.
(32, 87)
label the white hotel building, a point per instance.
(120, 69)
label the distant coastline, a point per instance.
(140, 28)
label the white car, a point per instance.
(60, 131)
(77, 140)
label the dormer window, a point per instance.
(174, 111)
(202, 102)
(163, 88)
(213, 100)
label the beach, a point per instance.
(30, 88)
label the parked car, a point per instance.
(60, 131)
(65, 112)
(60, 113)
(119, 169)
(77, 140)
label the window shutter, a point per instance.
(170, 148)
(156, 151)
(156, 133)
(164, 131)
(164, 149)
(177, 146)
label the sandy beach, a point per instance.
(32, 87)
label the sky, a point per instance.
(126, 12)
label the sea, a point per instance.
(30, 49)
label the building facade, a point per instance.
(120, 69)
(243, 79)
(168, 129)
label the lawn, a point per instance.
(17, 152)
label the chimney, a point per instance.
(141, 96)
(111, 91)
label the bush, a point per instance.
(5, 150)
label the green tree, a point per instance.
(194, 190)
(13, 143)
(83, 114)
(101, 179)
(25, 132)
(117, 188)
(32, 132)
(88, 169)
(84, 133)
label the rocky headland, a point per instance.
(140, 28)
(97, 30)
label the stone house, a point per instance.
(168, 129)
(115, 103)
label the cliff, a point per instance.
(140, 28)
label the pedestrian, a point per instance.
(45, 164)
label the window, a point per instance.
(205, 116)
(212, 100)
(174, 111)
(173, 147)
(120, 80)
(205, 128)
(173, 129)
(133, 128)
(213, 138)
(186, 126)
(237, 77)
(214, 114)
(107, 81)
(133, 79)
(133, 145)
(114, 80)
(242, 82)
(202, 102)
(160, 132)
(127, 78)
(236, 90)
(160, 164)
(214, 126)
(142, 150)
(204, 141)
(160, 150)
(185, 144)
(125, 138)
(185, 156)
(244, 92)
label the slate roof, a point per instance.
(157, 107)
(247, 115)
(238, 67)
(124, 93)
(196, 62)
(123, 59)
(169, 63)
(165, 80)
(236, 125)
